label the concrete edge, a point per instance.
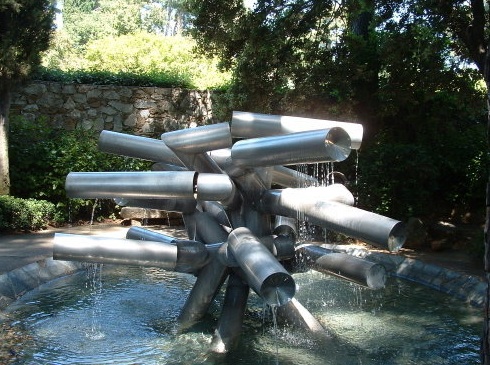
(467, 288)
(17, 282)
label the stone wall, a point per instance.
(148, 111)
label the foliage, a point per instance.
(442, 179)
(141, 59)
(404, 69)
(104, 77)
(87, 20)
(24, 214)
(41, 157)
(20, 45)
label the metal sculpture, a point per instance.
(240, 229)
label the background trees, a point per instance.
(407, 70)
(25, 30)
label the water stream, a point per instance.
(136, 311)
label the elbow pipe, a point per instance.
(138, 147)
(253, 125)
(149, 184)
(355, 269)
(324, 145)
(378, 230)
(264, 274)
(184, 256)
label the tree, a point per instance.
(25, 31)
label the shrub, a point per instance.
(41, 157)
(24, 214)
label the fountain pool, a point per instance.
(128, 315)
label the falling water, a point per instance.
(94, 286)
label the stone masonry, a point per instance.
(147, 111)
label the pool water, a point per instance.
(128, 316)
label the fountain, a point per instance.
(240, 204)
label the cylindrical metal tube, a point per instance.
(208, 228)
(363, 272)
(264, 274)
(149, 184)
(214, 187)
(223, 158)
(185, 257)
(209, 281)
(182, 205)
(137, 146)
(289, 178)
(325, 145)
(296, 315)
(142, 234)
(286, 226)
(300, 197)
(199, 139)
(252, 125)
(230, 322)
(370, 227)
(144, 184)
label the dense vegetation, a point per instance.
(410, 71)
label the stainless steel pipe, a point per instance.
(186, 256)
(290, 178)
(355, 269)
(149, 184)
(136, 146)
(208, 283)
(253, 125)
(370, 227)
(226, 335)
(304, 147)
(199, 139)
(183, 205)
(264, 274)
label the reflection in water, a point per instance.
(132, 320)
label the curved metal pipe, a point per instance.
(149, 184)
(264, 274)
(185, 256)
(360, 271)
(136, 146)
(252, 125)
(304, 147)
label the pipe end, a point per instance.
(278, 289)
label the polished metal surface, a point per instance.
(289, 178)
(369, 227)
(136, 146)
(199, 139)
(181, 205)
(325, 145)
(264, 274)
(360, 271)
(253, 125)
(149, 184)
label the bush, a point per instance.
(41, 157)
(25, 214)
(141, 59)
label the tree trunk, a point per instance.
(485, 345)
(4, 130)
